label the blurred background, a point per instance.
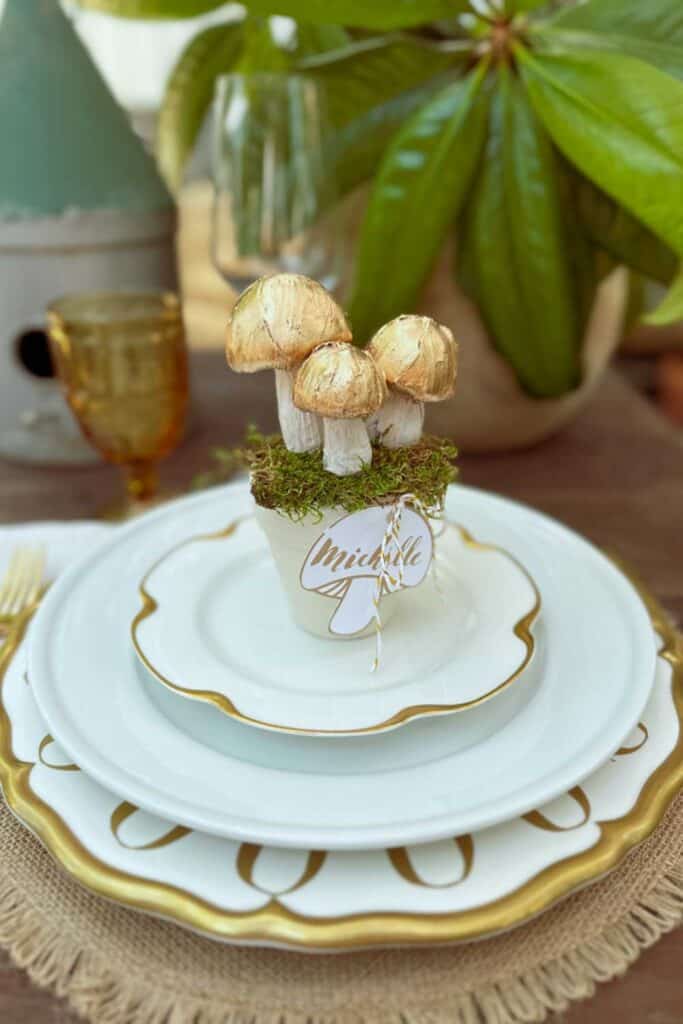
(137, 57)
(370, 155)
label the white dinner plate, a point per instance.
(456, 641)
(593, 670)
(461, 888)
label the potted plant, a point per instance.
(344, 495)
(547, 138)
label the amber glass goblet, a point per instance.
(122, 361)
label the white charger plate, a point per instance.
(459, 639)
(596, 658)
(459, 889)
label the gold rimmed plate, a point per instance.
(464, 887)
(444, 775)
(213, 626)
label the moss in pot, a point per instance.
(326, 511)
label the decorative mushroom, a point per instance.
(419, 359)
(274, 325)
(342, 384)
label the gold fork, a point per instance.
(21, 587)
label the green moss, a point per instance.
(297, 485)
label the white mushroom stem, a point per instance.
(347, 446)
(300, 430)
(399, 422)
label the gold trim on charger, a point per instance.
(276, 924)
(522, 630)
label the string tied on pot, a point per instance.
(390, 579)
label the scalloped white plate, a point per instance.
(456, 641)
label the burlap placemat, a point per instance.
(118, 967)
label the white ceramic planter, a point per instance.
(290, 543)
(490, 412)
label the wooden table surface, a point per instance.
(616, 475)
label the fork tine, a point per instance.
(36, 576)
(21, 577)
(21, 585)
(11, 582)
(5, 582)
(29, 580)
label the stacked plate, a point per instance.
(184, 749)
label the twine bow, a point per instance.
(391, 550)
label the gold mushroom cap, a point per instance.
(339, 381)
(279, 320)
(274, 325)
(418, 356)
(343, 385)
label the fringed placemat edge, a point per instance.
(85, 981)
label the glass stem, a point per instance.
(141, 481)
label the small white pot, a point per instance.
(290, 543)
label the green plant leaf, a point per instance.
(521, 6)
(376, 14)
(636, 302)
(651, 30)
(152, 9)
(515, 252)
(260, 52)
(613, 229)
(189, 93)
(620, 122)
(372, 87)
(587, 264)
(671, 309)
(665, 56)
(314, 39)
(655, 20)
(416, 196)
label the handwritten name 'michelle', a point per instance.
(337, 559)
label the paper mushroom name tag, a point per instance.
(364, 555)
